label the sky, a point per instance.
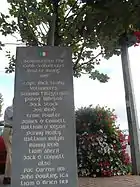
(86, 91)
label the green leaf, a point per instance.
(98, 26)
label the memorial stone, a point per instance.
(44, 137)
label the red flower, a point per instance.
(124, 146)
(137, 33)
(106, 163)
(109, 173)
(101, 164)
(105, 173)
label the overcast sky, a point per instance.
(87, 91)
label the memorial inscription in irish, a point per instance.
(44, 138)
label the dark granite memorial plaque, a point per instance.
(44, 137)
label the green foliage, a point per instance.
(30, 21)
(101, 146)
(109, 20)
(1, 104)
(95, 26)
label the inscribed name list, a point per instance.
(44, 138)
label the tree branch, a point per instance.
(93, 58)
(79, 56)
(75, 20)
(70, 10)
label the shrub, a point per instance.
(101, 146)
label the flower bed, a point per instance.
(101, 146)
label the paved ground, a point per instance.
(125, 181)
